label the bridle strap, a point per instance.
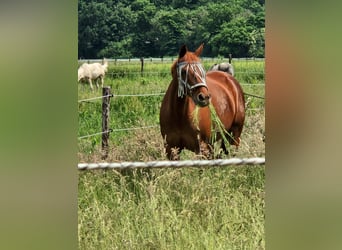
(183, 85)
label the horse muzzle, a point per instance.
(202, 99)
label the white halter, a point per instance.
(183, 85)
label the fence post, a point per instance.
(105, 120)
(142, 65)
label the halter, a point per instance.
(183, 85)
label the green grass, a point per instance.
(217, 208)
(208, 208)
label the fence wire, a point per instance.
(137, 95)
(95, 98)
(129, 95)
(99, 133)
(117, 130)
(256, 96)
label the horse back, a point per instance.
(227, 97)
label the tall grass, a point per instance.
(207, 208)
(217, 208)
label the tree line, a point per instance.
(157, 28)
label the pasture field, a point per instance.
(207, 208)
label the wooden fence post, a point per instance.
(105, 120)
(142, 65)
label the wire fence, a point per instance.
(157, 73)
(256, 96)
(144, 127)
(131, 95)
(99, 133)
(166, 59)
(140, 95)
(94, 98)
(114, 95)
(159, 94)
(173, 164)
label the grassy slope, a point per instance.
(217, 208)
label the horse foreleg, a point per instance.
(91, 85)
(102, 81)
(172, 151)
(203, 146)
(97, 83)
(235, 136)
(174, 155)
(206, 150)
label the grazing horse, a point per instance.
(225, 67)
(93, 71)
(191, 87)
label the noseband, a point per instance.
(183, 85)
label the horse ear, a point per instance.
(199, 50)
(183, 51)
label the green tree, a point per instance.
(93, 28)
(205, 23)
(142, 41)
(102, 26)
(168, 31)
(233, 38)
(125, 28)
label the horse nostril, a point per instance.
(201, 97)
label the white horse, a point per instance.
(92, 71)
(225, 67)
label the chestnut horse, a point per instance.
(191, 86)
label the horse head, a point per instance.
(191, 77)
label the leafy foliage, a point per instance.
(156, 28)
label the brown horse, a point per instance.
(191, 86)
